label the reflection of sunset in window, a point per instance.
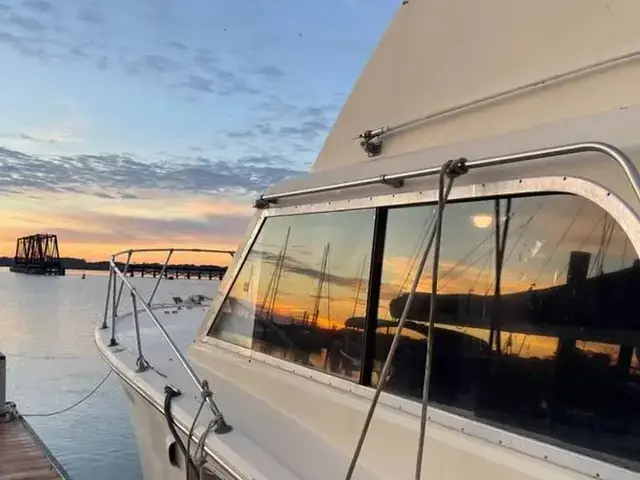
(306, 276)
(535, 354)
(553, 342)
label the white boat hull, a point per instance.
(291, 426)
(152, 436)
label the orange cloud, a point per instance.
(93, 228)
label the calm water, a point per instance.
(46, 331)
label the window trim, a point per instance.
(608, 201)
(620, 211)
(373, 295)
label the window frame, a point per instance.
(619, 210)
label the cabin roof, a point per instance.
(617, 128)
(559, 60)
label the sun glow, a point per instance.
(481, 220)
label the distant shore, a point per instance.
(70, 263)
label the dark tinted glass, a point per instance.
(302, 287)
(538, 323)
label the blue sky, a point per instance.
(127, 112)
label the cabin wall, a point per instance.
(277, 401)
(440, 53)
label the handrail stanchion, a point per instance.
(124, 273)
(222, 426)
(164, 269)
(141, 363)
(106, 303)
(114, 269)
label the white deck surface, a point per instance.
(293, 452)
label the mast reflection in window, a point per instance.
(537, 323)
(305, 276)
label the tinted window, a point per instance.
(551, 349)
(301, 288)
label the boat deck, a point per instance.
(249, 447)
(23, 456)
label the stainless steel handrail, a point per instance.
(612, 152)
(115, 294)
(190, 250)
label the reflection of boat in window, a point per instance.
(604, 310)
(530, 196)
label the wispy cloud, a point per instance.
(269, 71)
(91, 14)
(225, 98)
(44, 30)
(93, 232)
(45, 135)
(114, 228)
(119, 173)
(27, 23)
(39, 6)
(290, 129)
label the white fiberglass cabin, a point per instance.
(501, 138)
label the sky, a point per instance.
(157, 122)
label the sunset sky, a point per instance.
(126, 124)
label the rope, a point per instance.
(452, 169)
(86, 397)
(199, 456)
(442, 200)
(193, 426)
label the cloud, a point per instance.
(230, 83)
(159, 63)
(269, 71)
(296, 266)
(24, 45)
(111, 228)
(198, 83)
(26, 23)
(24, 136)
(91, 15)
(102, 63)
(290, 130)
(39, 6)
(173, 64)
(309, 130)
(121, 173)
(177, 45)
(46, 134)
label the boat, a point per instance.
(480, 183)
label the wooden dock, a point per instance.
(23, 456)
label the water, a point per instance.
(46, 331)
